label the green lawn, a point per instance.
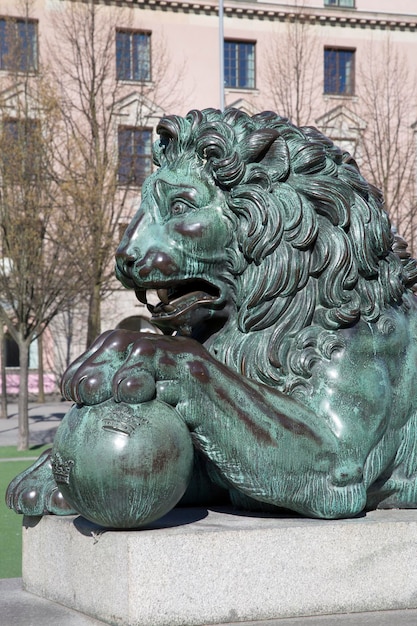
(10, 522)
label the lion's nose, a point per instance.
(159, 261)
(125, 263)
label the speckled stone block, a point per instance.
(198, 567)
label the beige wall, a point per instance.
(191, 36)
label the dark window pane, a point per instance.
(26, 33)
(21, 145)
(123, 67)
(230, 73)
(12, 352)
(11, 130)
(141, 56)
(340, 3)
(3, 44)
(135, 155)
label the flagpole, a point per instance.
(221, 54)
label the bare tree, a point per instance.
(291, 67)
(87, 150)
(387, 95)
(36, 277)
(68, 341)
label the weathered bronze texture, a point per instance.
(289, 348)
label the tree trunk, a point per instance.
(3, 410)
(41, 390)
(94, 315)
(69, 335)
(23, 400)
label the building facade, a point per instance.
(340, 65)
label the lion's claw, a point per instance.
(90, 386)
(133, 387)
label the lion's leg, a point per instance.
(397, 487)
(35, 492)
(285, 476)
(271, 448)
(206, 487)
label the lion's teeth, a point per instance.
(163, 295)
(141, 296)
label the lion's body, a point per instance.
(320, 308)
(294, 356)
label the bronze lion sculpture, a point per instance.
(289, 324)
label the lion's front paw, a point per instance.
(34, 492)
(128, 366)
(89, 380)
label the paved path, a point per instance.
(44, 419)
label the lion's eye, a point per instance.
(178, 207)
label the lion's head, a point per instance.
(269, 233)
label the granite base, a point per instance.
(199, 566)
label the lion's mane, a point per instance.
(314, 247)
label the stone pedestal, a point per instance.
(199, 567)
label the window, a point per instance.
(339, 71)
(239, 64)
(135, 155)
(340, 3)
(21, 149)
(11, 351)
(18, 45)
(133, 55)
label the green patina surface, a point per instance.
(288, 354)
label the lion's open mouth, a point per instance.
(177, 300)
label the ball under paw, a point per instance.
(122, 465)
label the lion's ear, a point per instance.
(267, 147)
